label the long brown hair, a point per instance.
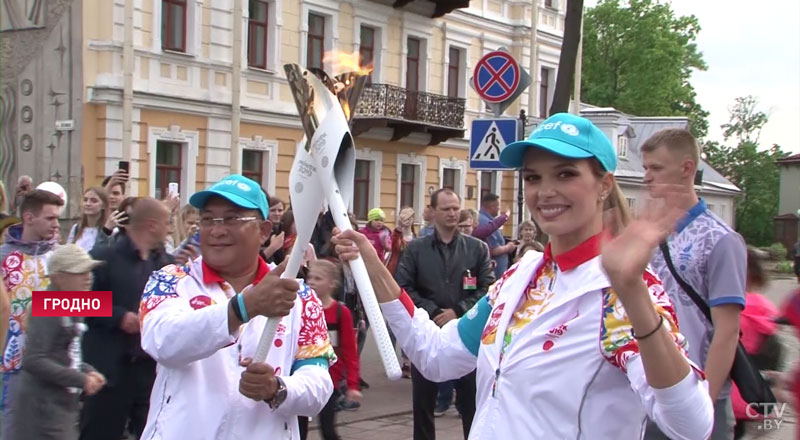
(616, 215)
(180, 233)
(756, 275)
(101, 220)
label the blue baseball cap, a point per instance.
(566, 135)
(236, 189)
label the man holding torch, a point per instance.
(202, 322)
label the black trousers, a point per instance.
(424, 393)
(327, 420)
(104, 415)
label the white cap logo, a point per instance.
(232, 182)
(570, 129)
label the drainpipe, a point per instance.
(446, 53)
(236, 86)
(576, 92)
(127, 83)
(533, 91)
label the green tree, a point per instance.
(638, 57)
(754, 171)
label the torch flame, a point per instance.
(343, 62)
(347, 68)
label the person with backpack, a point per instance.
(703, 267)
(759, 337)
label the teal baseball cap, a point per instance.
(566, 135)
(236, 189)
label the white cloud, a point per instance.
(750, 49)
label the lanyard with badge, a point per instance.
(469, 282)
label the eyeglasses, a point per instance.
(229, 221)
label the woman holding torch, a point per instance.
(579, 341)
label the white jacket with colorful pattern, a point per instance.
(184, 314)
(566, 367)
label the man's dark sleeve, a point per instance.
(406, 277)
(101, 282)
(485, 279)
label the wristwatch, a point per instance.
(280, 395)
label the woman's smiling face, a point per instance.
(564, 196)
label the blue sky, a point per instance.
(751, 48)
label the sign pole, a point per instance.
(520, 193)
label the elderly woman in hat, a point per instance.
(53, 375)
(377, 233)
(579, 341)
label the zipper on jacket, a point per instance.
(553, 280)
(502, 350)
(496, 378)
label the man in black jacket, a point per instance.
(113, 345)
(445, 273)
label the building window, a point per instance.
(173, 25)
(258, 24)
(450, 179)
(453, 72)
(544, 92)
(253, 165)
(366, 49)
(711, 207)
(488, 183)
(548, 3)
(408, 185)
(168, 166)
(622, 146)
(316, 41)
(412, 63)
(361, 184)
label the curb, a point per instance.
(315, 426)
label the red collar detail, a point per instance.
(212, 276)
(577, 255)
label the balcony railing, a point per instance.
(393, 102)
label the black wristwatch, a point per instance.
(280, 395)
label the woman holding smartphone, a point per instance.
(94, 216)
(579, 341)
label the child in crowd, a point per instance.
(377, 233)
(324, 277)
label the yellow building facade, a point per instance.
(166, 80)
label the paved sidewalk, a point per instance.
(385, 412)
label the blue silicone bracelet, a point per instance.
(240, 300)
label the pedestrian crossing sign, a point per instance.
(488, 138)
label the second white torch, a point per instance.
(320, 101)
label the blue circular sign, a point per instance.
(496, 77)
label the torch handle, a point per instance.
(271, 326)
(361, 276)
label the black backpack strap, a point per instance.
(684, 285)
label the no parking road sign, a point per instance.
(488, 138)
(496, 77)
